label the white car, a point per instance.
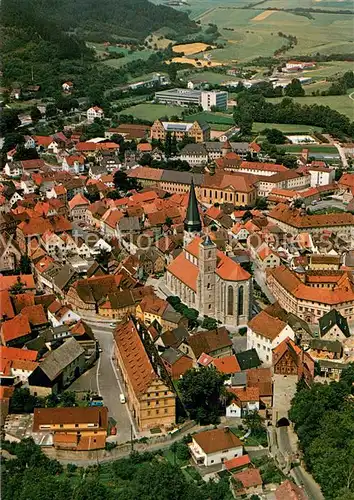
(112, 324)
(122, 398)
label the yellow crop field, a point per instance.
(263, 15)
(201, 63)
(190, 48)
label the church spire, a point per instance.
(192, 222)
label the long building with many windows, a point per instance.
(186, 97)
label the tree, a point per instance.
(22, 401)
(275, 136)
(261, 203)
(18, 287)
(294, 89)
(35, 114)
(201, 392)
(168, 145)
(168, 221)
(209, 323)
(123, 182)
(298, 202)
(172, 72)
(9, 121)
(254, 422)
(51, 110)
(25, 265)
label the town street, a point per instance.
(104, 378)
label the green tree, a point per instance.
(23, 401)
(261, 203)
(168, 221)
(25, 265)
(201, 392)
(209, 323)
(254, 422)
(275, 136)
(294, 89)
(18, 287)
(51, 110)
(35, 114)
(168, 145)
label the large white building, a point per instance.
(186, 97)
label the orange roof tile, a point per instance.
(227, 364)
(6, 308)
(6, 282)
(216, 440)
(134, 357)
(15, 328)
(185, 271)
(249, 478)
(15, 353)
(289, 491)
(144, 147)
(78, 200)
(35, 314)
(237, 462)
(266, 325)
(245, 394)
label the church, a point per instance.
(205, 278)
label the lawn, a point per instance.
(285, 128)
(207, 76)
(220, 127)
(152, 112)
(138, 54)
(209, 117)
(341, 103)
(251, 440)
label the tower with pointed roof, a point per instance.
(206, 284)
(192, 222)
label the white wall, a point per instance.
(220, 456)
(233, 411)
(264, 345)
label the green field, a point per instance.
(218, 118)
(251, 38)
(100, 49)
(316, 148)
(152, 112)
(285, 128)
(341, 103)
(207, 76)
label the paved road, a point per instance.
(259, 276)
(105, 379)
(312, 489)
(320, 205)
(283, 440)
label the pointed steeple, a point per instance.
(192, 222)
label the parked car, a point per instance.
(122, 398)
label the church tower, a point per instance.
(206, 278)
(192, 222)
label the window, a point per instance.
(157, 412)
(240, 301)
(166, 410)
(230, 301)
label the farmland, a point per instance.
(152, 112)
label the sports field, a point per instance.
(321, 148)
(341, 103)
(285, 128)
(207, 76)
(152, 112)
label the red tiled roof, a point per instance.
(134, 357)
(6, 308)
(35, 314)
(266, 325)
(78, 200)
(237, 462)
(6, 282)
(14, 353)
(227, 364)
(289, 491)
(15, 328)
(249, 478)
(245, 394)
(144, 147)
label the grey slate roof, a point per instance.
(129, 224)
(171, 315)
(54, 364)
(182, 177)
(194, 149)
(332, 318)
(239, 379)
(248, 359)
(326, 345)
(172, 355)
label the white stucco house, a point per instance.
(94, 112)
(321, 176)
(215, 446)
(266, 332)
(245, 400)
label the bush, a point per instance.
(243, 330)
(110, 446)
(71, 467)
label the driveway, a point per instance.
(105, 379)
